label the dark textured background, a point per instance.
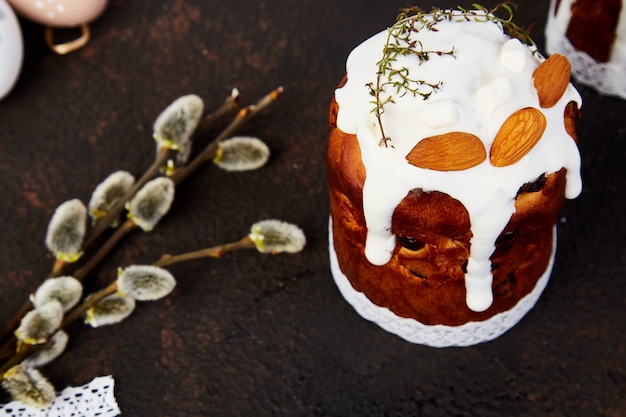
(271, 336)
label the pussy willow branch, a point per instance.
(164, 155)
(207, 154)
(103, 223)
(228, 105)
(101, 226)
(210, 151)
(76, 313)
(14, 358)
(79, 274)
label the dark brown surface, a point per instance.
(270, 336)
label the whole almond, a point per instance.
(551, 78)
(453, 151)
(517, 136)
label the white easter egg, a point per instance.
(59, 13)
(11, 49)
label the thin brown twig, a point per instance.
(128, 226)
(81, 309)
(230, 104)
(210, 150)
(7, 332)
(213, 252)
(16, 359)
(8, 348)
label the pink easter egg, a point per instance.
(59, 13)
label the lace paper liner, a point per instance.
(605, 77)
(411, 330)
(94, 399)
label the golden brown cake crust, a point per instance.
(424, 279)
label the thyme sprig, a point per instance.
(399, 43)
(502, 14)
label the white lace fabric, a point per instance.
(94, 399)
(605, 77)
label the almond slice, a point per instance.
(551, 79)
(453, 151)
(572, 112)
(517, 136)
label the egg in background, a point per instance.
(59, 13)
(11, 49)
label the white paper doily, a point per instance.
(439, 335)
(605, 77)
(94, 399)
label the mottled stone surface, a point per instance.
(257, 335)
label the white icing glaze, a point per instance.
(483, 89)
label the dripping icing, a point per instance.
(488, 79)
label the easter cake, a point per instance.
(451, 151)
